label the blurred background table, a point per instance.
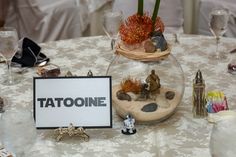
(180, 135)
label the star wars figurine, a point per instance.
(153, 81)
(129, 128)
(90, 74)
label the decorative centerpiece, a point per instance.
(148, 91)
(146, 100)
(147, 81)
(142, 36)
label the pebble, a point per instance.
(121, 95)
(170, 95)
(152, 107)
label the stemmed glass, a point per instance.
(111, 23)
(218, 25)
(8, 48)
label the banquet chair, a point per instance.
(43, 20)
(3, 11)
(205, 6)
(96, 10)
(171, 12)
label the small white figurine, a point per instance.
(129, 128)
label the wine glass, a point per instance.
(111, 23)
(218, 24)
(8, 48)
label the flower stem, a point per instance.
(140, 7)
(155, 12)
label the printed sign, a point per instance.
(82, 101)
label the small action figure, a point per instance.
(90, 74)
(154, 82)
(129, 128)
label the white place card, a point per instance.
(83, 101)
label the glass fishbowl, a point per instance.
(149, 91)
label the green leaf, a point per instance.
(155, 11)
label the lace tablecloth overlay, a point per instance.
(179, 136)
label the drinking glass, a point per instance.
(111, 23)
(218, 25)
(8, 48)
(18, 133)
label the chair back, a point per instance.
(4, 5)
(171, 11)
(24, 15)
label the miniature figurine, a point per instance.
(199, 100)
(68, 74)
(129, 128)
(144, 93)
(154, 83)
(90, 74)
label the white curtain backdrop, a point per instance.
(43, 20)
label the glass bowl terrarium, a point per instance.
(147, 81)
(148, 91)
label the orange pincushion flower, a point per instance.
(131, 85)
(138, 28)
(159, 25)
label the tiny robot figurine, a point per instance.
(129, 128)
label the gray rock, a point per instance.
(150, 107)
(159, 41)
(149, 47)
(121, 95)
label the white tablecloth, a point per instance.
(179, 136)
